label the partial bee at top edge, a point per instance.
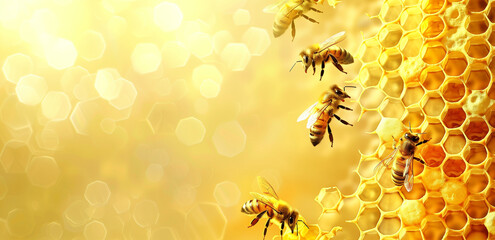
(277, 210)
(320, 54)
(401, 160)
(287, 11)
(320, 113)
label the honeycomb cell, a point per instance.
(417, 192)
(390, 10)
(433, 178)
(146, 58)
(434, 131)
(146, 213)
(432, 227)
(390, 59)
(475, 153)
(476, 207)
(190, 131)
(236, 56)
(16, 66)
(478, 77)
(432, 77)
(432, 6)
(31, 89)
(95, 230)
(432, 26)
(390, 201)
(454, 143)
(477, 47)
(175, 54)
(454, 167)
(412, 95)
(229, 139)
(126, 96)
(476, 129)
(490, 143)
(328, 218)
(455, 64)
(60, 54)
(390, 35)
(476, 5)
(227, 194)
(392, 84)
(491, 13)
(453, 90)
(477, 103)
(206, 221)
(454, 192)
(410, 44)
(476, 231)
(329, 198)
(370, 74)
(163, 233)
(370, 50)
(167, 16)
(477, 23)
(91, 46)
(97, 193)
(20, 223)
(490, 222)
(368, 218)
(432, 105)
(491, 93)
(414, 116)
(410, 233)
(257, 40)
(412, 212)
(370, 192)
(434, 203)
(43, 171)
(454, 117)
(433, 52)
(388, 128)
(389, 225)
(15, 156)
(392, 108)
(455, 219)
(411, 18)
(200, 44)
(56, 106)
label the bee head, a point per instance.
(412, 137)
(339, 93)
(292, 220)
(306, 61)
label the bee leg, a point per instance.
(424, 141)
(322, 69)
(342, 120)
(336, 64)
(293, 30)
(257, 218)
(316, 10)
(330, 135)
(344, 107)
(313, 63)
(310, 19)
(266, 228)
(420, 160)
(282, 230)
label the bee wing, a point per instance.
(263, 198)
(306, 112)
(312, 119)
(338, 37)
(266, 187)
(275, 7)
(385, 163)
(409, 174)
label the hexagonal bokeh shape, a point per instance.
(390, 10)
(477, 23)
(411, 18)
(432, 77)
(412, 212)
(15, 156)
(241, 17)
(16, 66)
(390, 59)
(127, 95)
(146, 58)
(164, 233)
(229, 139)
(257, 40)
(392, 84)
(206, 221)
(390, 35)
(476, 180)
(370, 74)
(454, 192)
(56, 106)
(20, 223)
(95, 230)
(97, 193)
(60, 53)
(227, 194)
(432, 104)
(476, 129)
(92, 45)
(455, 141)
(190, 131)
(329, 198)
(221, 39)
(453, 90)
(456, 219)
(455, 64)
(475, 153)
(433, 52)
(31, 89)
(13, 115)
(167, 16)
(368, 218)
(478, 76)
(175, 54)
(434, 203)
(236, 56)
(476, 207)
(433, 227)
(146, 213)
(43, 171)
(200, 44)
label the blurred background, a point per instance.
(152, 119)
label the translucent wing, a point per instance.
(273, 8)
(312, 119)
(409, 174)
(263, 198)
(266, 187)
(306, 112)
(385, 163)
(339, 37)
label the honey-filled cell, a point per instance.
(475, 153)
(433, 105)
(455, 219)
(433, 155)
(491, 93)
(390, 35)
(432, 26)
(432, 77)
(433, 227)
(490, 196)
(476, 231)
(476, 207)
(477, 23)
(412, 95)
(476, 180)
(454, 117)
(455, 141)
(410, 233)
(455, 64)
(433, 52)
(490, 143)
(414, 116)
(478, 77)
(477, 47)
(390, 201)
(434, 131)
(476, 129)
(476, 5)
(454, 167)
(491, 13)
(389, 225)
(453, 90)
(434, 203)
(432, 6)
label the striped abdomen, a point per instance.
(254, 206)
(398, 171)
(287, 13)
(317, 130)
(342, 55)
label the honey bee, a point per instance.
(320, 113)
(402, 167)
(287, 11)
(323, 52)
(277, 210)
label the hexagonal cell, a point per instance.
(410, 18)
(431, 6)
(91, 46)
(368, 218)
(392, 84)
(56, 106)
(477, 23)
(410, 44)
(15, 156)
(432, 26)
(476, 207)
(201, 44)
(146, 213)
(412, 95)
(390, 10)
(476, 5)
(490, 143)
(477, 180)
(370, 74)
(455, 64)
(206, 221)
(236, 56)
(16, 66)
(167, 16)
(369, 50)
(433, 227)
(434, 203)
(20, 222)
(475, 153)
(478, 77)
(433, 155)
(328, 218)
(257, 40)
(417, 192)
(453, 90)
(229, 139)
(410, 233)
(477, 103)
(95, 230)
(455, 141)
(432, 178)
(433, 52)
(390, 201)
(370, 192)
(454, 167)
(455, 219)
(31, 89)
(390, 59)
(392, 108)
(476, 231)
(490, 196)
(175, 54)
(476, 129)
(477, 47)
(432, 77)
(454, 192)
(190, 131)
(146, 58)
(432, 104)
(43, 171)
(412, 212)
(491, 13)
(97, 193)
(434, 131)
(414, 116)
(390, 35)
(454, 117)
(389, 225)
(329, 198)
(491, 92)
(241, 17)
(227, 194)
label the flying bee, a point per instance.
(402, 157)
(324, 52)
(287, 11)
(277, 210)
(320, 114)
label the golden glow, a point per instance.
(31, 89)
(146, 58)
(60, 54)
(167, 16)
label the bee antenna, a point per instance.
(349, 87)
(410, 130)
(294, 65)
(303, 223)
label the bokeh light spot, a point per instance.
(257, 40)
(31, 89)
(167, 16)
(16, 66)
(146, 213)
(227, 194)
(56, 106)
(60, 54)
(43, 171)
(236, 56)
(190, 131)
(175, 54)
(92, 45)
(229, 139)
(97, 193)
(146, 58)
(209, 88)
(95, 230)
